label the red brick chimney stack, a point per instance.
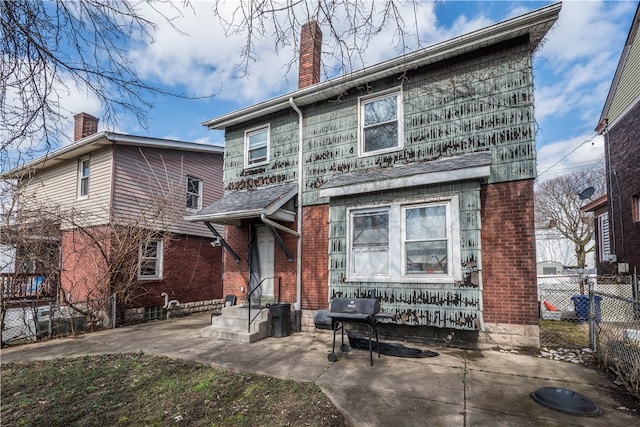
(310, 50)
(85, 125)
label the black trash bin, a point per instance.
(280, 319)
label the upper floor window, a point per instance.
(84, 170)
(256, 146)
(380, 123)
(424, 240)
(194, 193)
(150, 259)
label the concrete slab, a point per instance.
(458, 387)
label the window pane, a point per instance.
(150, 250)
(193, 185)
(426, 223)
(381, 137)
(371, 229)
(380, 110)
(367, 261)
(84, 186)
(148, 268)
(85, 168)
(257, 154)
(257, 140)
(370, 243)
(426, 257)
(192, 201)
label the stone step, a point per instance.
(232, 325)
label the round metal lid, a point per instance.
(567, 401)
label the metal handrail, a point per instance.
(251, 320)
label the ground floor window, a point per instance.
(150, 259)
(412, 242)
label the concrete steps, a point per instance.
(231, 325)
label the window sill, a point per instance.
(423, 280)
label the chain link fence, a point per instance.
(563, 315)
(597, 313)
(31, 320)
(615, 333)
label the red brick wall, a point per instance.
(235, 275)
(623, 143)
(83, 264)
(192, 271)
(315, 259)
(509, 253)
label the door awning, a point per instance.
(262, 202)
(449, 169)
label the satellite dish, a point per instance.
(586, 193)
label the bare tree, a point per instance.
(557, 206)
(52, 48)
(351, 24)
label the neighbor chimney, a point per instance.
(85, 125)
(310, 50)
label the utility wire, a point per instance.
(565, 156)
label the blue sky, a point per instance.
(573, 70)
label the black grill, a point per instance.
(354, 311)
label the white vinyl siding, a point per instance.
(57, 186)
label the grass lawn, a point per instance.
(142, 390)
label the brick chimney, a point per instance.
(310, 50)
(85, 125)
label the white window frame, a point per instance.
(397, 230)
(82, 178)
(362, 101)
(197, 195)
(158, 259)
(635, 209)
(247, 135)
(604, 241)
(362, 212)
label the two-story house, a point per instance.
(618, 215)
(118, 203)
(411, 180)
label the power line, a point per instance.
(566, 155)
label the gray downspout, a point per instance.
(296, 306)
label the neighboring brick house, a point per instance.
(412, 178)
(105, 181)
(619, 124)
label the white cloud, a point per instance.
(580, 152)
(581, 52)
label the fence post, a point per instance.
(114, 311)
(50, 319)
(592, 316)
